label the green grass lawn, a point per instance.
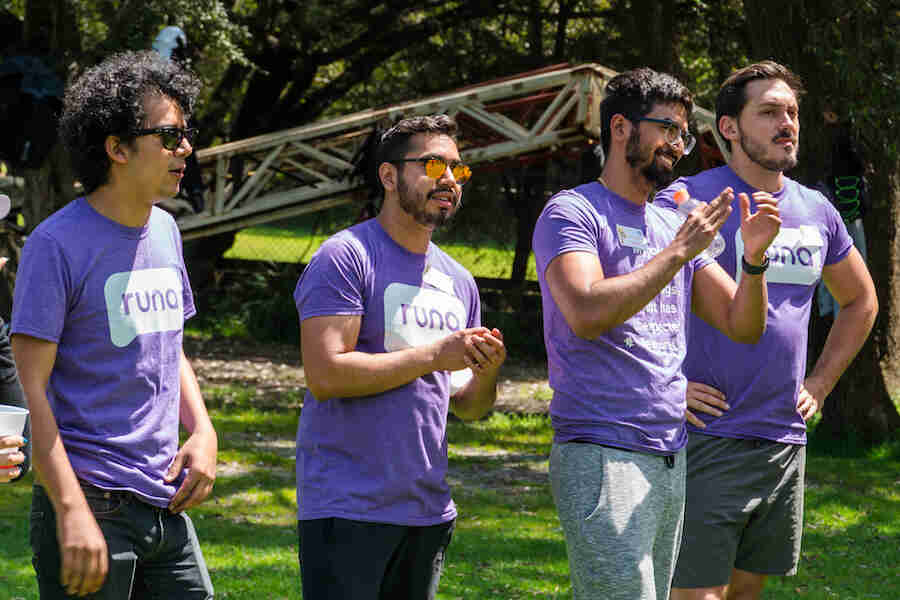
(487, 259)
(508, 543)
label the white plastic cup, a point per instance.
(12, 421)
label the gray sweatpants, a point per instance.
(622, 514)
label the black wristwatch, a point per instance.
(754, 269)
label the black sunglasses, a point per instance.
(170, 136)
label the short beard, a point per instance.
(658, 176)
(757, 154)
(407, 199)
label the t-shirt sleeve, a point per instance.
(839, 240)
(43, 289)
(332, 283)
(187, 293)
(566, 225)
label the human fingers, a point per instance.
(696, 386)
(744, 201)
(11, 441)
(176, 467)
(693, 420)
(492, 352)
(95, 573)
(723, 199)
(7, 475)
(198, 490)
(9, 460)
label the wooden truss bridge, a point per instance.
(313, 167)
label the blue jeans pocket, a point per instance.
(104, 505)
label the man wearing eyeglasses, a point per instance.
(98, 314)
(748, 405)
(618, 278)
(391, 337)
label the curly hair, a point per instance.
(108, 99)
(634, 94)
(732, 95)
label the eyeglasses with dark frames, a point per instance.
(436, 167)
(170, 136)
(674, 132)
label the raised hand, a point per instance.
(701, 226)
(758, 229)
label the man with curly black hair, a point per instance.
(98, 316)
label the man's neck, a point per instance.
(403, 229)
(119, 206)
(756, 175)
(621, 179)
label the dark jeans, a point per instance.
(354, 560)
(153, 554)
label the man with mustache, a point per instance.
(391, 338)
(618, 278)
(748, 405)
(101, 297)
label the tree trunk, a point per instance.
(860, 405)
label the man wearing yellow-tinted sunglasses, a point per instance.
(391, 339)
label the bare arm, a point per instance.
(593, 304)
(851, 285)
(478, 396)
(335, 369)
(81, 543)
(200, 449)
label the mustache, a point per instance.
(785, 134)
(665, 152)
(457, 199)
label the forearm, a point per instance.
(848, 334)
(50, 459)
(609, 302)
(746, 317)
(354, 374)
(476, 398)
(194, 416)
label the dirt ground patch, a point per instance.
(273, 369)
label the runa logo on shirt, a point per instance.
(415, 316)
(143, 301)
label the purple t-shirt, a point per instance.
(625, 388)
(114, 300)
(761, 382)
(382, 458)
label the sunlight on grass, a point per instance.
(266, 243)
(508, 543)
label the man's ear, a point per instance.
(388, 175)
(728, 128)
(619, 127)
(116, 149)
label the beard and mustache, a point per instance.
(418, 210)
(655, 172)
(757, 152)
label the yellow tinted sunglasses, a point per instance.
(435, 168)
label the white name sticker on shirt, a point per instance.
(143, 301)
(795, 256)
(415, 316)
(631, 237)
(440, 280)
